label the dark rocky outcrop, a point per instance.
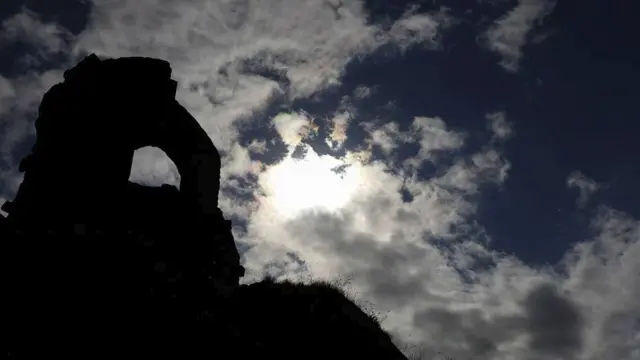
(100, 267)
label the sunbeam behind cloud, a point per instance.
(313, 182)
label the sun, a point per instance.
(312, 182)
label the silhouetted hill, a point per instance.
(294, 320)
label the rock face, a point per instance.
(99, 267)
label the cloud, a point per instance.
(45, 38)
(362, 92)
(554, 322)
(387, 137)
(602, 278)
(410, 241)
(512, 311)
(378, 237)
(304, 40)
(585, 185)
(424, 262)
(257, 146)
(508, 35)
(7, 92)
(498, 123)
(159, 171)
(339, 125)
(293, 128)
(19, 99)
(488, 165)
(232, 58)
(431, 134)
(238, 162)
(415, 28)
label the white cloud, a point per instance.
(230, 58)
(292, 128)
(237, 55)
(508, 35)
(457, 297)
(387, 137)
(237, 163)
(487, 166)
(418, 28)
(339, 125)
(498, 123)
(585, 185)
(603, 277)
(376, 236)
(304, 40)
(431, 134)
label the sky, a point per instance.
(470, 168)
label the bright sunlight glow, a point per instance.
(313, 182)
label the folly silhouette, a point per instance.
(100, 267)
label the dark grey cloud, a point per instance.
(554, 322)
(551, 321)
(469, 330)
(43, 40)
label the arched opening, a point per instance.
(151, 166)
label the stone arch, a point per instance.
(184, 141)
